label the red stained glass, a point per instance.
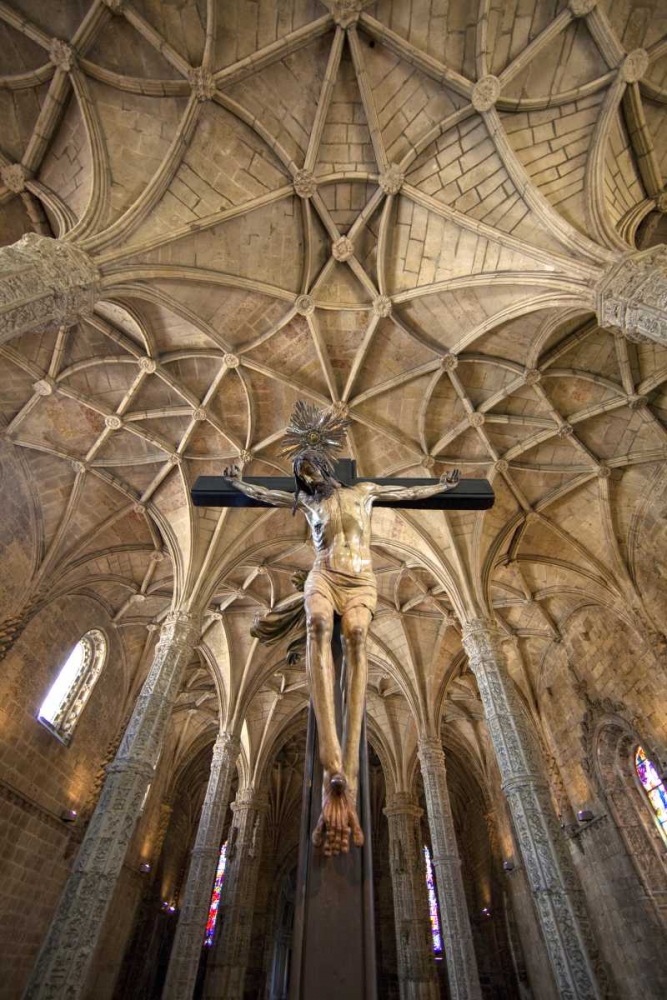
(215, 897)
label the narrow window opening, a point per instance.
(654, 788)
(67, 697)
(209, 933)
(436, 935)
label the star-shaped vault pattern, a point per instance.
(336, 204)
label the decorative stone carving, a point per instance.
(43, 283)
(416, 970)
(196, 897)
(485, 93)
(532, 376)
(661, 202)
(634, 65)
(558, 897)
(14, 176)
(62, 55)
(199, 414)
(637, 402)
(565, 430)
(342, 248)
(340, 410)
(476, 419)
(382, 306)
(80, 467)
(79, 918)
(175, 459)
(44, 386)
(139, 508)
(501, 465)
(392, 180)
(604, 472)
(457, 935)
(449, 362)
(346, 12)
(580, 8)
(632, 296)
(305, 305)
(148, 365)
(305, 184)
(113, 422)
(202, 83)
(231, 360)
(229, 959)
(428, 462)
(245, 456)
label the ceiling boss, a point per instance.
(341, 581)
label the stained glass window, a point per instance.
(654, 787)
(433, 905)
(71, 689)
(215, 897)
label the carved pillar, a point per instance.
(456, 932)
(44, 282)
(416, 965)
(186, 950)
(226, 971)
(558, 897)
(60, 970)
(632, 296)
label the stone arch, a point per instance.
(613, 747)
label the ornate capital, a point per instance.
(632, 296)
(44, 282)
(402, 804)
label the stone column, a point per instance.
(559, 900)
(44, 282)
(416, 966)
(61, 968)
(456, 932)
(186, 949)
(631, 297)
(227, 965)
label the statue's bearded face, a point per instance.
(310, 474)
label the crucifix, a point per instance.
(339, 592)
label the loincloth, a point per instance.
(343, 591)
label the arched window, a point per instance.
(215, 897)
(654, 788)
(436, 934)
(71, 689)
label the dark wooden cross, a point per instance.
(333, 951)
(470, 494)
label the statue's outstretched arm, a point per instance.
(447, 482)
(277, 498)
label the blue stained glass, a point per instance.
(215, 897)
(654, 788)
(433, 905)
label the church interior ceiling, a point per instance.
(402, 214)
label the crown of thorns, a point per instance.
(315, 430)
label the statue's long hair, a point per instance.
(320, 462)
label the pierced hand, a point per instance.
(232, 472)
(451, 478)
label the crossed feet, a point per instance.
(338, 817)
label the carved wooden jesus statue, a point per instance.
(341, 580)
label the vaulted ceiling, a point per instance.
(401, 211)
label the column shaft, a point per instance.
(457, 934)
(558, 897)
(226, 972)
(187, 946)
(44, 282)
(61, 968)
(416, 965)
